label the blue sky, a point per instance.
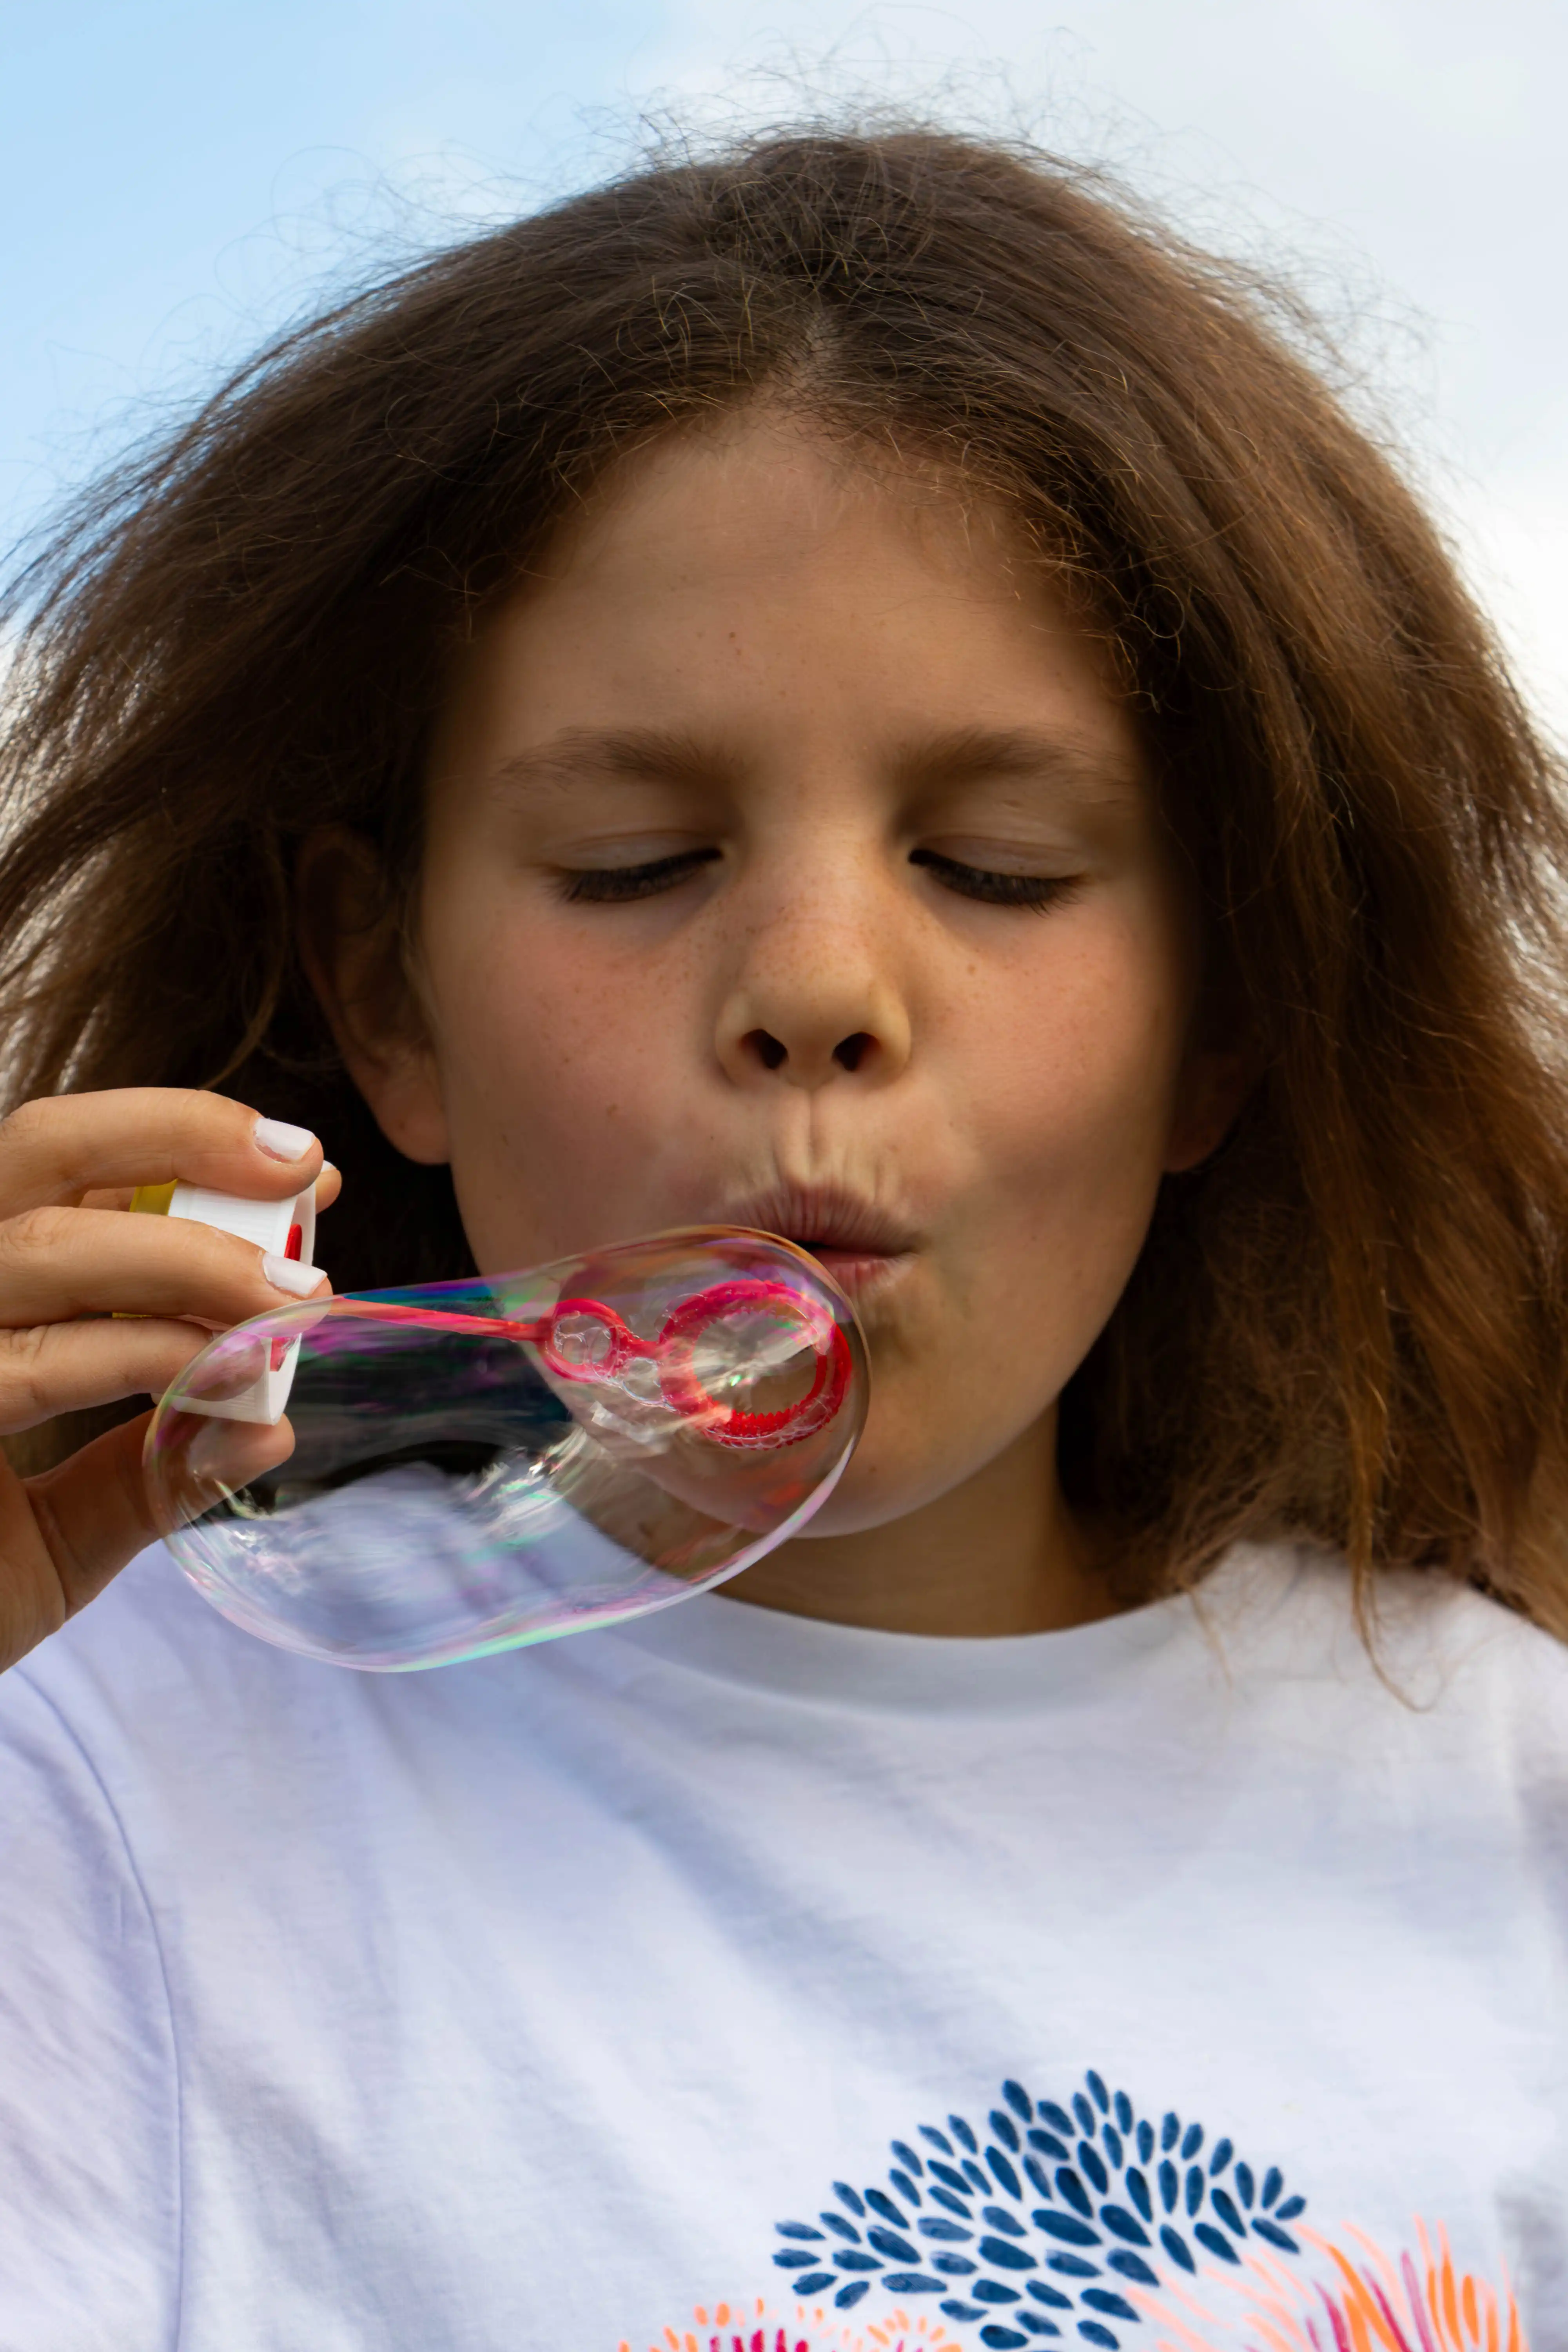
(177, 178)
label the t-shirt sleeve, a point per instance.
(89, 2142)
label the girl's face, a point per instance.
(792, 863)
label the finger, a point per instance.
(201, 1461)
(63, 1536)
(58, 1264)
(54, 1152)
(329, 1184)
(66, 1367)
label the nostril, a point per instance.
(767, 1049)
(849, 1052)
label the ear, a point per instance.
(352, 947)
(1210, 1091)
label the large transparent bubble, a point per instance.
(475, 1465)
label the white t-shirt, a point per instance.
(733, 1980)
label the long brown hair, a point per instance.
(1351, 1322)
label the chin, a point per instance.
(879, 1486)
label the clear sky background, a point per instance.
(177, 176)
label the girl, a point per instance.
(860, 688)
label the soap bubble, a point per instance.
(475, 1465)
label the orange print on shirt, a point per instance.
(1374, 2303)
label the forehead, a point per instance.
(767, 495)
(764, 578)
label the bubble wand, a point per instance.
(620, 1431)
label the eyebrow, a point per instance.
(654, 755)
(632, 754)
(1025, 753)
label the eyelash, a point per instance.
(1037, 891)
(615, 885)
(621, 884)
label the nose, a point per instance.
(813, 1006)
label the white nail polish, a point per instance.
(281, 1141)
(287, 1274)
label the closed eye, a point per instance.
(1036, 890)
(614, 885)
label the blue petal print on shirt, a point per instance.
(1027, 2221)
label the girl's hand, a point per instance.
(69, 1261)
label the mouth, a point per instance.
(860, 1244)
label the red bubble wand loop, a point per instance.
(601, 1353)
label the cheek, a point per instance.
(557, 1076)
(1070, 1143)
(1083, 1072)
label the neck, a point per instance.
(1000, 1554)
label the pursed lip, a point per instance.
(856, 1242)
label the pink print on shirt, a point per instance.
(755, 2324)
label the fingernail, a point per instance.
(288, 1274)
(281, 1141)
(210, 1452)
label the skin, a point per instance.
(709, 929)
(897, 926)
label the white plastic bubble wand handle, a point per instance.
(286, 1228)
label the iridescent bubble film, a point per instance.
(468, 1466)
